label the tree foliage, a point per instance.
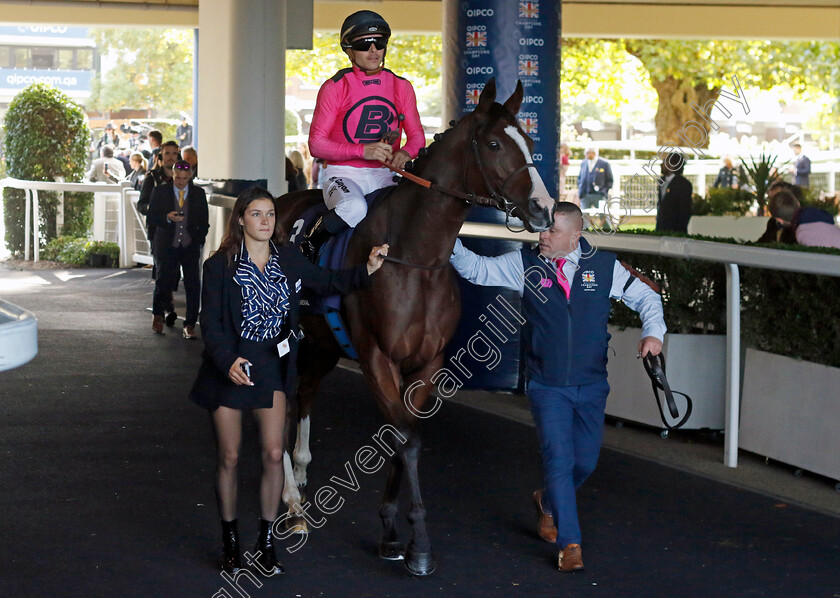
(686, 71)
(46, 136)
(415, 57)
(153, 70)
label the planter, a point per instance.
(740, 228)
(100, 260)
(789, 412)
(695, 365)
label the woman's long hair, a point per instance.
(234, 237)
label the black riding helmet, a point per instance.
(361, 23)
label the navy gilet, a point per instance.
(566, 340)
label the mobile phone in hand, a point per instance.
(246, 367)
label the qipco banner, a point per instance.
(511, 40)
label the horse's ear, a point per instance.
(488, 95)
(513, 103)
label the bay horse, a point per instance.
(402, 322)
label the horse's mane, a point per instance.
(418, 165)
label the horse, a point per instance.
(402, 322)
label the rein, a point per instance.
(497, 199)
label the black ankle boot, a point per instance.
(328, 225)
(266, 560)
(231, 558)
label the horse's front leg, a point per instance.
(419, 559)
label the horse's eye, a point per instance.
(494, 145)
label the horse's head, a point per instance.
(500, 156)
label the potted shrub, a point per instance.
(102, 254)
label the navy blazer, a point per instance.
(601, 175)
(221, 315)
(163, 202)
(674, 210)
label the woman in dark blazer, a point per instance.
(249, 322)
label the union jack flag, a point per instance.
(477, 38)
(529, 68)
(529, 10)
(588, 276)
(472, 96)
(529, 125)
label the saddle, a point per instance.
(332, 256)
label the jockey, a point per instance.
(357, 126)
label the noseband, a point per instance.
(497, 199)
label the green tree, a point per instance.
(415, 57)
(153, 70)
(46, 136)
(683, 72)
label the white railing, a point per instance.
(115, 217)
(825, 177)
(731, 256)
(108, 218)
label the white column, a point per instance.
(241, 90)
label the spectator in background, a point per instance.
(775, 232)
(317, 174)
(595, 179)
(139, 165)
(109, 137)
(307, 161)
(190, 154)
(154, 179)
(727, 177)
(179, 213)
(106, 168)
(123, 156)
(184, 133)
(564, 168)
(801, 168)
(155, 141)
(300, 177)
(813, 227)
(674, 208)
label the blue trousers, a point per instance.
(570, 427)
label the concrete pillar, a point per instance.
(241, 89)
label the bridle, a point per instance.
(497, 198)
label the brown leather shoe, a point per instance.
(157, 324)
(189, 332)
(545, 525)
(570, 559)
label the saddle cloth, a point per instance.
(331, 256)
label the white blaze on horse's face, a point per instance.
(538, 189)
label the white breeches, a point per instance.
(346, 187)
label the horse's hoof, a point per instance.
(391, 551)
(297, 525)
(420, 563)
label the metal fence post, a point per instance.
(733, 364)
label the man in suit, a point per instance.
(801, 168)
(595, 180)
(106, 169)
(674, 207)
(178, 210)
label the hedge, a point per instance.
(46, 136)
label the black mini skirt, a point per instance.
(267, 373)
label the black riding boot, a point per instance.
(266, 560)
(328, 225)
(231, 558)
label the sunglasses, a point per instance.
(182, 166)
(362, 45)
